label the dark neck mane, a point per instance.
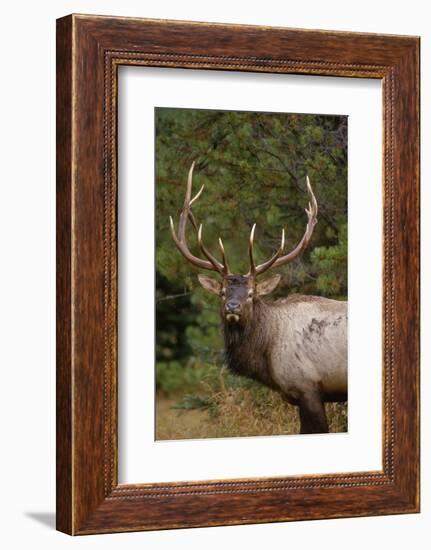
(247, 345)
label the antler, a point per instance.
(212, 264)
(277, 260)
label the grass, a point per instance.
(224, 405)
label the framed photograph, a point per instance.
(237, 274)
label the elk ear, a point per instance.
(210, 284)
(265, 287)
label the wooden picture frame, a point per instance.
(89, 51)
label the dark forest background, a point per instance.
(254, 167)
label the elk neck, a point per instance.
(247, 344)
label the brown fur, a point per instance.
(248, 344)
(251, 340)
(294, 345)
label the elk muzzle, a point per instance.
(232, 311)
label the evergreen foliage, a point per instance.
(253, 166)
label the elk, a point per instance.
(295, 345)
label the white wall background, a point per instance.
(141, 459)
(27, 218)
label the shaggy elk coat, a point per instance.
(296, 345)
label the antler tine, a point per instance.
(186, 207)
(180, 239)
(312, 220)
(217, 266)
(266, 265)
(314, 205)
(226, 265)
(251, 251)
(198, 194)
(277, 260)
(207, 253)
(183, 248)
(193, 220)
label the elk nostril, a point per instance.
(233, 306)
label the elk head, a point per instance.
(237, 292)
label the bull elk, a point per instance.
(295, 345)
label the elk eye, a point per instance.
(250, 293)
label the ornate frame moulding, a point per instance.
(89, 51)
